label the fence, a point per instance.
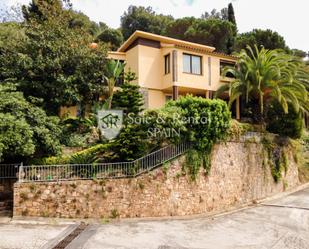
(134, 168)
(9, 171)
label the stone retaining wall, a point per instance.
(237, 177)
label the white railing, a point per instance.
(134, 168)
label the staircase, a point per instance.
(6, 197)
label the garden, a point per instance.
(48, 61)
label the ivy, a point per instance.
(276, 155)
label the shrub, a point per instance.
(206, 122)
(15, 137)
(32, 128)
(164, 125)
(289, 124)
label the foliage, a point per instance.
(276, 155)
(35, 131)
(206, 122)
(10, 35)
(179, 27)
(212, 32)
(130, 144)
(237, 129)
(55, 61)
(268, 75)
(113, 37)
(231, 14)
(285, 124)
(15, 137)
(164, 125)
(88, 155)
(128, 97)
(257, 37)
(114, 70)
(144, 19)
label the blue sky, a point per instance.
(288, 18)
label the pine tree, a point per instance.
(129, 98)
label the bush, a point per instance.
(88, 155)
(285, 124)
(33, 129)
(207, 121)
(164, 125)
(15, 137)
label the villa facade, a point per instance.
(167, 68)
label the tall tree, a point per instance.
(179, 27)
(55, 61)
(113, 37)
(231, 15)
(144, 19)
(267, 75)
(212, 32)
(267, 38)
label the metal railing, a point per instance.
(9, 171)
(134, 168)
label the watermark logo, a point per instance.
(110, 122)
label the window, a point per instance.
(224, 64)
(192, 64)
(167, 63)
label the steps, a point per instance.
(6, 208)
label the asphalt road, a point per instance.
(279, 224)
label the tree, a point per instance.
(113, 37)
(15, 138)
(114, 69)
(214, 14)
(11, 33)
(266, 38)
(25, 129)
(42, 10)
(129, 98)
(286, 124)
(231, 15)
(179, 27)
(212, 32)
(80, 20)
(144, 19)
(268, 75)
(55, 63)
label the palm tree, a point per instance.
(267, 75)
(114, 69)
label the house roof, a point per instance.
(162, 39)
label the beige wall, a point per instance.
(150, 67)
(132, 61)
(68, 111)
(156, 99)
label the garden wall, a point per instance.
(237, 177)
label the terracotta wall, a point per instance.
(237, 177)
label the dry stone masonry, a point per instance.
(237, 177)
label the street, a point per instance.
(276, 224)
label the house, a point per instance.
(167, 68)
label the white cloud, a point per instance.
(288, 18)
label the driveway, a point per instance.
(279, 224)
